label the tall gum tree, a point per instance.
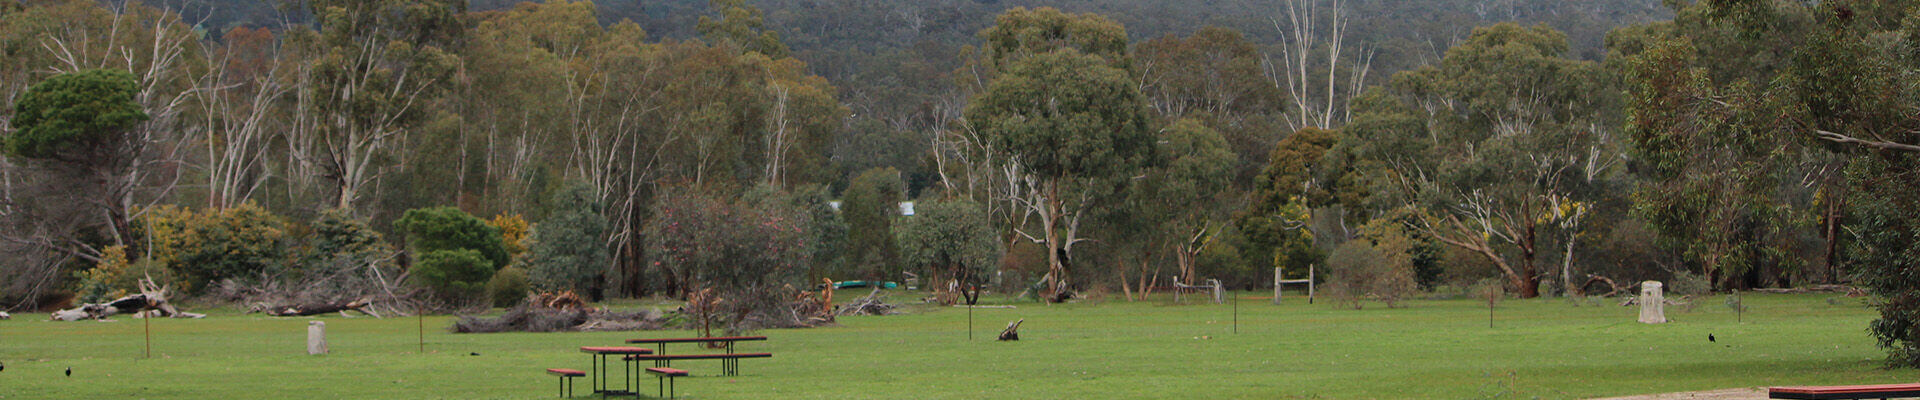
(1072, 129)
(376, 66)
(1511, 126)
(1734, 96)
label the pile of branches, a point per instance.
(562, 312)
(151, 302)
(866, 305)
(371, 287)
(787, 308)
(562, 300)
(813, 308)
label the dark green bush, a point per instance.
(447, 228)
(453, 275)
(508, 287)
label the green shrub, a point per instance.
(453, 275)
(568, 250)
(950, 239)
(1688, 284)
(508, 287)
(336, 233)
(1379, 266)
(240, 242)
(447, 228)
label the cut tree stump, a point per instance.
(1013, 331)
(301, 310)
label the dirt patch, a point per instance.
(1722, 394)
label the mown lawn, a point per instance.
(1548, 349)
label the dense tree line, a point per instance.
(743, 150)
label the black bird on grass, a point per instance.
(473, 354)
(1710, 338)
(69, 371)
(3, 366)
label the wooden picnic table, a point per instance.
(1845, 392)
(660, 344)
(599, 355)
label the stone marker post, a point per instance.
(1652, 304)
(316, 338)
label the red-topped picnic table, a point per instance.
(660, 345)
(599, 354)
(729, 360)
(1896, 391)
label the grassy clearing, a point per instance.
(1431, 349)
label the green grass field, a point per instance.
(1549, 349)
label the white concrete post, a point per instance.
(1652, 303)
(316, 338)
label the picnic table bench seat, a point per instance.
(729, 363)
(1894, 391)
(615, 350)
(566, 379)
(665, 377)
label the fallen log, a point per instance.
(1635, 300)
(302, 310)
(5, 315)
(1013, 331)
(1613, 287)
(151, 298)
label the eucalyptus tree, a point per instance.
(1300, 174)
(1187, 188)
(950, 241)
(1214, 76)
(1072, 130)
(375, 68)
(1510, 126)
(870, 207)
(1734, 99)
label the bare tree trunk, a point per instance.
(1303, 34)
(1529, 270)
(780, 140)
(1832, 238)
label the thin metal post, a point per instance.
(147, 320)
(1490, 293)
(970, 322)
